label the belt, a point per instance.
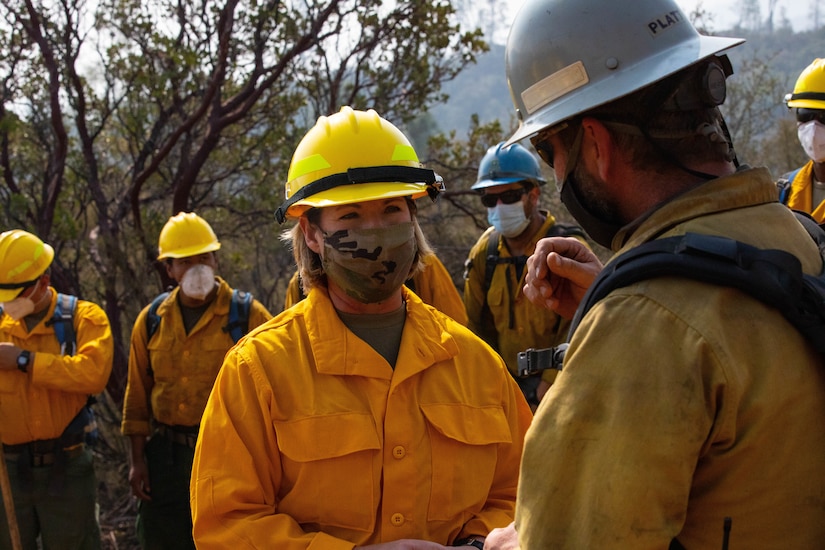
(185, 435)
(40, 457)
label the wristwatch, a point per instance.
(23, 360)
(470, 542)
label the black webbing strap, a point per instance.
(807, 95)
(12, 286)
(369, 174)
(773, 276)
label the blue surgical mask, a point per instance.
(508, 219)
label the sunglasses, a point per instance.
(544, 148)
(807, 115)
(490, 200)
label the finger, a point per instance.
(579, 273)
(536, 266)
(565, 246)
(550, 246)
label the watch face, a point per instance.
(23, 359)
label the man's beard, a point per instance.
(593, 196)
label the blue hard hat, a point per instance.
(508, 164)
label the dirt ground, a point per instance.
(118, 508)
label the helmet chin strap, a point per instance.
(729, 138)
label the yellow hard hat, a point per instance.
(186, 234)
(23, 259)
(809, 92)
(353, 147)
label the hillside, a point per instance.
(482, 88)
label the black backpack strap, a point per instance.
(565, 230)
(773, 276)
(814, 229)
(490, 262)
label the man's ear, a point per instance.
(533, 195)
(598, 142)
(43, 283)
(312, 235)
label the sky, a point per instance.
(726, 13)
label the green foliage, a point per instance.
(116, 114)
(766, 68)
(455, 222)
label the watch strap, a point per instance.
(23, 360)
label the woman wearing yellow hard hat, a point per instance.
(360, 417)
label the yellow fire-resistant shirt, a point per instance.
(801, 194)
(40, 403)
(311, 440)
(183, 366)
(433, 285)
(682, 403)
(516, 323)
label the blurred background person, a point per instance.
(178, 345)
(803, 189)
(55, 352)
(509, 184)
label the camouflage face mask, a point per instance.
(370, 264)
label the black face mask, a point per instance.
(600, 230)
(597, 227)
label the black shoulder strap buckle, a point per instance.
(534, 361)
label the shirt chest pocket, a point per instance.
(327, 462)
(496, 292)
(12, 382)
(198, 357)
(464, 443)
